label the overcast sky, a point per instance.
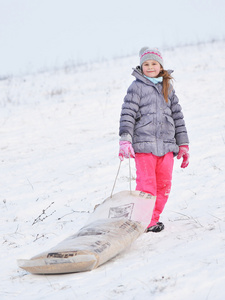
(37, 34)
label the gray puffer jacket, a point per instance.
(148, 121)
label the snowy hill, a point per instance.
(59, 146)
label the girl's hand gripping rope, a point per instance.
(126, 150)
(183, 153)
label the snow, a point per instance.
(59, 147)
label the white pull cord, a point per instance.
(115, 179)
(118, 174)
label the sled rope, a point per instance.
(118, 174)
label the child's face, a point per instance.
(151, 68)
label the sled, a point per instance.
(112, 227)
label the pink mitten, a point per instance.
(183, 152)
(126, 150)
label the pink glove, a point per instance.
(126, 150)
(183, 152)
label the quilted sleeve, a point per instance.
(129, 110)
(181, 135)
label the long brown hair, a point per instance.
(167, 86)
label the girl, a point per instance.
(152, 129)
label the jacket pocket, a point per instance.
(143, 121)
(170, 120)
(168, 128)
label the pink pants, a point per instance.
(154, 176)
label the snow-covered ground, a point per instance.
(59, 147)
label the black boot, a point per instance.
(156, 228)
